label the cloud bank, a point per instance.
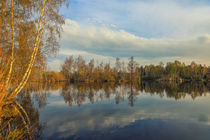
(147, 18)
(150, 30)
(106, 42)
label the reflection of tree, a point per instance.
(120, 95)
(28, 105)
(176, 90)
(83, 93)
(42, 90)
(14, 122)
(80, 93)
(132, 94)
(19, 119)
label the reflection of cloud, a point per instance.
(203, 118)
(100, 116)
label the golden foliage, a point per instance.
(29, 33)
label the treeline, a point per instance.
(42, 76)
(78, 70)
(176, 71)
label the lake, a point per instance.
(146, 111)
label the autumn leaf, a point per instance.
(1, 53)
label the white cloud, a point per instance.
(171, 18)
(148, 18)
(105, 43)
(150, 30)
(54, 64)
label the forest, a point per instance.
(78, 70)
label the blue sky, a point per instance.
(150, 30)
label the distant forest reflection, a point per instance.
(21, 118)
(78, 94)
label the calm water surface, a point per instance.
(149, 111)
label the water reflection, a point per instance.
(14, 121)
(19, 119)
(78, 94)
(149, 110)
(159, 111)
